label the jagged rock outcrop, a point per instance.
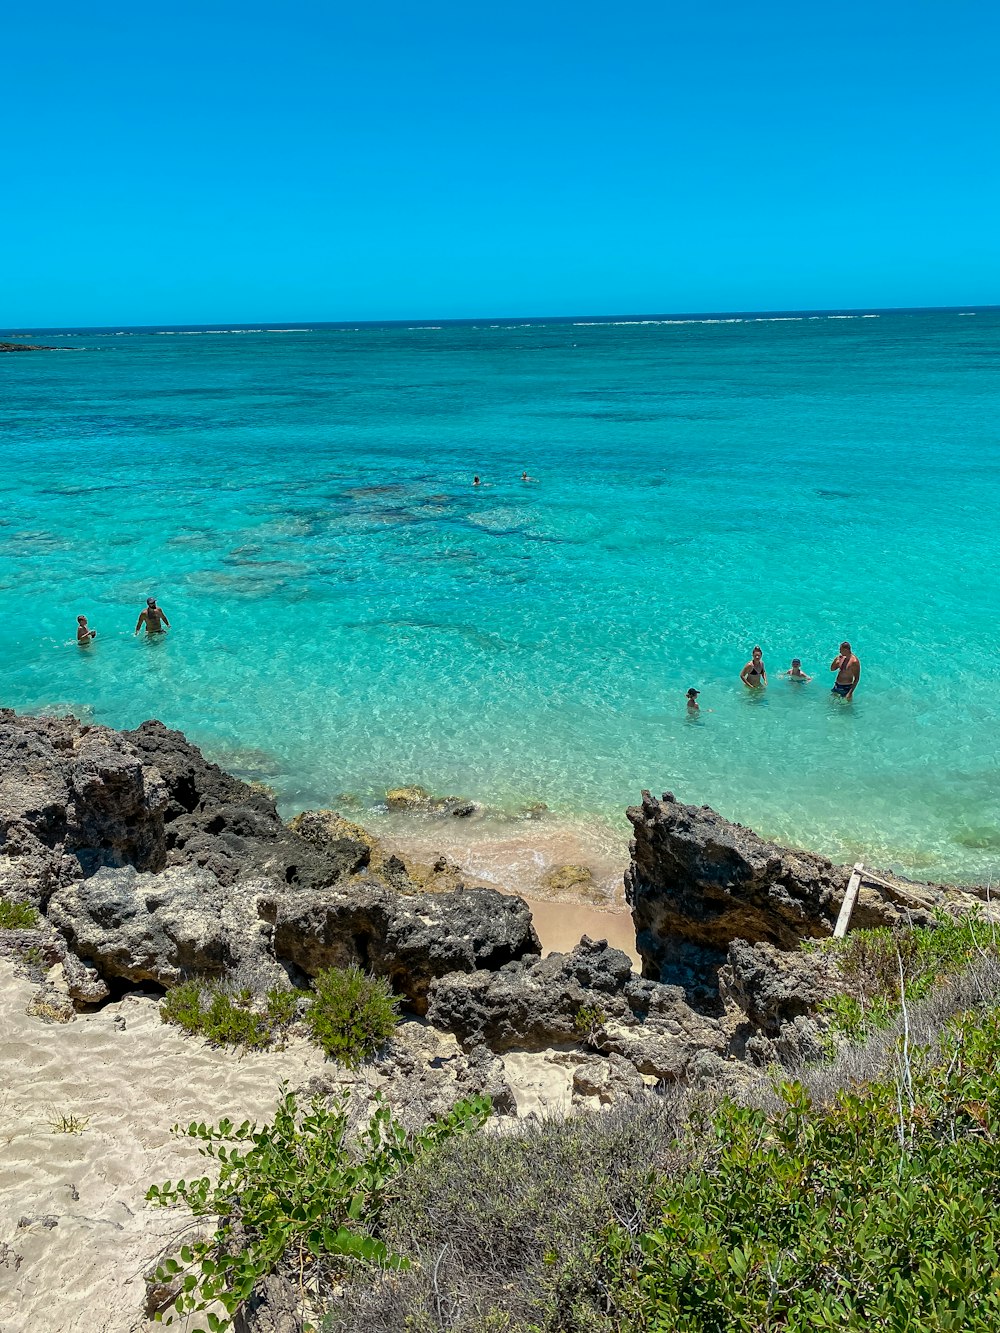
(166, 927)
(773, 987)
(73, 798)
(589, 994)
(410, 939)
(697, 882)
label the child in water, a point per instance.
(795, 671)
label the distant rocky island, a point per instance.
(25, 347)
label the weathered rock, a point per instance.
(164, 928)
(418, 799)
(424, 1072)
(610, 1079)
(409, 939)
(73, 798)
(223, 825)
(347, 844)
(571, 881)
(696, 882)
(274, 1306)
(773, 987)
(589, 994)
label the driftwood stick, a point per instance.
(847, 906)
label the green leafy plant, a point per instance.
(295, 1191)
(588, 1022)
(227, 1016)
(877, 1213)
(351, 1014)
(17, 915)
(881, 968)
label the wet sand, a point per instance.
(560, 925)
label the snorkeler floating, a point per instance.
(152, 617)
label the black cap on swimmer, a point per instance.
(150, 601)
(692, 692)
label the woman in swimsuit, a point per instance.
(754, 674)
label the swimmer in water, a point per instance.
(754, 674)
(692, 697)
(525, 477)
(848, 670)
(795, 671)
(476, 481)
(152, 617)
(84, 636)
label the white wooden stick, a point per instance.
(847, 906)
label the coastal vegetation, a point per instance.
(347, 1012)
(17, 915)
(860, 1194)
(300, 1192)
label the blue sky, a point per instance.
(196, 162)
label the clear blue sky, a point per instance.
(313, 160)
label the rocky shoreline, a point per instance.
(149, 865)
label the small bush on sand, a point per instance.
(296, 1192)
(228, 1016)
(17, 915)
(352, 1014)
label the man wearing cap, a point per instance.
(693, 699)
(152, 617)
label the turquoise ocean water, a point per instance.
(349, 613)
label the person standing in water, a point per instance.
(754, 674)
(692, 697)
(84, 636)
(848, 670)
(795, 671)
(152, 617)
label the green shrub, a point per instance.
(17, 915)
(874, 963)
(229, 1017)
(351, 1014)
(294, 1191)
(878, 1213)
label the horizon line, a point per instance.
(309, 326)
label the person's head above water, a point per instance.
(693, 693)
(845, 647)
(150, 601)
(796, 661)
(757, 651)
(81, 620)
(475, 481)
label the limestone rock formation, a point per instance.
(589, 994)
(410, 939)
(165, 927)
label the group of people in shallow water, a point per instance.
(754, 674)
(151, 616)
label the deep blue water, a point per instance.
(348, 612)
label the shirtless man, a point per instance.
(754, 673)
(153, 618)
(848, 670)
(83, 634)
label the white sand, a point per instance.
(85, 1274)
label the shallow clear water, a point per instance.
(349, 613)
